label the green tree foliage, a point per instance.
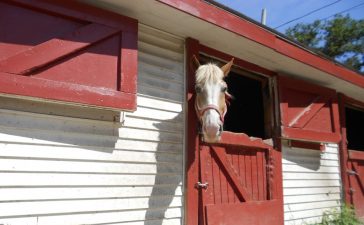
(341, 38)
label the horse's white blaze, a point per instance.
(211, 118)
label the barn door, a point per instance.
(238, 182)
(352, 155)
(356, 180)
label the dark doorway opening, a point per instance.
(354, 128)
(246, 111)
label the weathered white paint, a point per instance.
(311, 183)
(69, 165)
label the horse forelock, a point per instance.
(209, 73)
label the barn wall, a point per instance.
(311, 183)
(70, 165)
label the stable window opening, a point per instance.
(354, 128)
(250, 110)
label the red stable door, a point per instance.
(237, 181)
(352, 154)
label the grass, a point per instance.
(346, 216)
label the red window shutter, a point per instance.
(68, 52)
(308, 112)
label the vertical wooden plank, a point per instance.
(255, 176)
(129, 63)
(230, 190)
(217, 181)
(224, 186)
(248, 173)
(206, 175)
(344, 152)
(193, 206)
(242, 167)
(260, 176)
(264, 175)
(235, 163)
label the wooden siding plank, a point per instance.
(311, 183)
(57, 207)
(60, 153)
(49, 149)
(312, 205)
(43, 165)
(308, 213)
(311, 198)
(87, 192)
(311, 190)
(311, 176)
(60, 179)
(168, 216)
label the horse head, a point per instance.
(211, 98)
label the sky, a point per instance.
(281, 11)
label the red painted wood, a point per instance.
(249, 213)
(78, 11)
(54, 49)
(90, 52)
(193, 205)
(129, 60)
(60, 91)
(308, 135)
(356, 155)
(217, 188)
(351, 160)
(248, 174)
(241, 139)
(87, 66)
(307, 145)
(357, 184)
(309, 112)
(260, 171)
(344, 153)
(220, 154)
(241, 27)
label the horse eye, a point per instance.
(223, 89)
(198, 89)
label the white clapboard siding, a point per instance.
(67, 165)
(311, 183)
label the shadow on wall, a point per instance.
(91, 139)
(166, 198)
(309, 159)
(56, 123)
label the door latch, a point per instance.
(200, 185)
(351, 190)
(351, 172)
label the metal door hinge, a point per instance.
(200, 185)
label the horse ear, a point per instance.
(195, 63)
(226, 68)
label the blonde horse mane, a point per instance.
(209, 73)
